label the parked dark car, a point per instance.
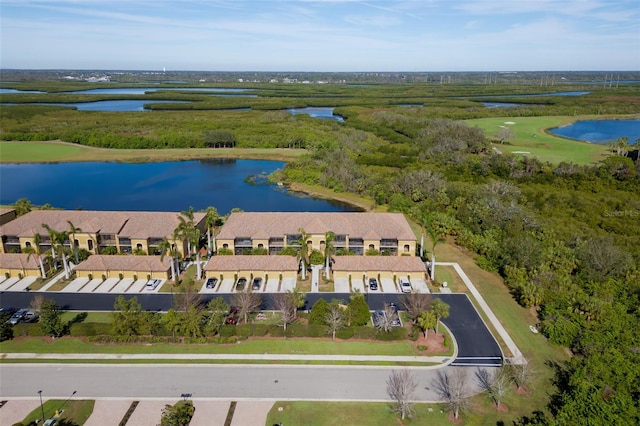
(373, 284)
(30, 317)
(211, 282)
(18, 316)
(377, 317)
(257, 283)
(241, 284)
(6, 312)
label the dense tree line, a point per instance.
(566, 239)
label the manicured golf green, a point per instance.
(532, 139)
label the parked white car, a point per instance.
(152, 284)
(405, 285)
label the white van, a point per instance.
(405, 285)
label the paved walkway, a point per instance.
(109, 412)
(235, 357)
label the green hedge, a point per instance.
(90, 329)
(23, 329)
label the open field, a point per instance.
(58, 151)
(543, 145)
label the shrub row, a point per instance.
(99, 332)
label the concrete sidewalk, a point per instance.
(238, 357)
(441, 360)
(108, 412)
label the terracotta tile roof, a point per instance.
(5, 210)
(99, 262)
(257, 263)
(18, 261)
(127, 224)
(379, 263)
(356, 225)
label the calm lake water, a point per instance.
(110, 106)
(317, 112)
(166, 186)
(600, 131)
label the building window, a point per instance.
(90, 244)
(225, 246)
(406, 248)
(372, 247)
(139, 246)
(28, 244)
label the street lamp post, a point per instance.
(41, 406)
(63, 404)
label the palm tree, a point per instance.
(211, 219)
(189, 232)
(167, 248)
(425, 321)
(57, 240)
(303, 252)
(329, 250)
(440, 309)
(186, 219)
(436, 238)
(72, 231)
(36, 251)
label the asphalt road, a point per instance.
(237, 382)
(476, 344)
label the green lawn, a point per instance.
(544, 145)
(74, 412)
(251, 346)
(350, 413)
(56, 151)
(102, 317)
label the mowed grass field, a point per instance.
(58, 151)
(543, 145)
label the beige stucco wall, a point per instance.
(24, 272)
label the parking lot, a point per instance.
(209, 286)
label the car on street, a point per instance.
(241, 284)
(257, 283)
(373, 284)
(152, 284)
(211, 282)
(18, 316)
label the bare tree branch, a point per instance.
(400, 387)
(451, 385)
(247, 302)
(334, 320)
(415, 303)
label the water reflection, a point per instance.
(164, 186)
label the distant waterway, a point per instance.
(123, 105)
(317, 112)
(162, 186)
(600, 131)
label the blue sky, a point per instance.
(321, 35)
